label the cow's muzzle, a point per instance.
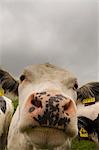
(47, 109)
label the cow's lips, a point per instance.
(68, 131)
(45, 129)
(32, 128)
(45, 137)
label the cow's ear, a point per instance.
(8, 83)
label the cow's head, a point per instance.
(47, 107)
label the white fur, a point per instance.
(5, 119)
(2, 119)
(90, 111)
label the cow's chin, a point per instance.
(48, 137)
(44, 137)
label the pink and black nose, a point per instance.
(50, 109)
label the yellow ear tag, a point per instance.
(88, 100)
(1, 91)
(83, 133)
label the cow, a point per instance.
(46, 116)
(6, 112)
(88, 111)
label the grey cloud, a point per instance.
(63, 32)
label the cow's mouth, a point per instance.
(69, 130)
(46, 137)
(31, 127)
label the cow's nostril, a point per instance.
(66, 106)
(69, 108)
(37, 103)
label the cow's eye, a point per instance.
(22, 77)
(75, 86)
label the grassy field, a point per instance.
(83, 145)
(76, 144)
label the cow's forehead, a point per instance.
(48, 71)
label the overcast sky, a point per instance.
(62, 32)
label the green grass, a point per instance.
(76, 144)
(83, 145)
(15, 103)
